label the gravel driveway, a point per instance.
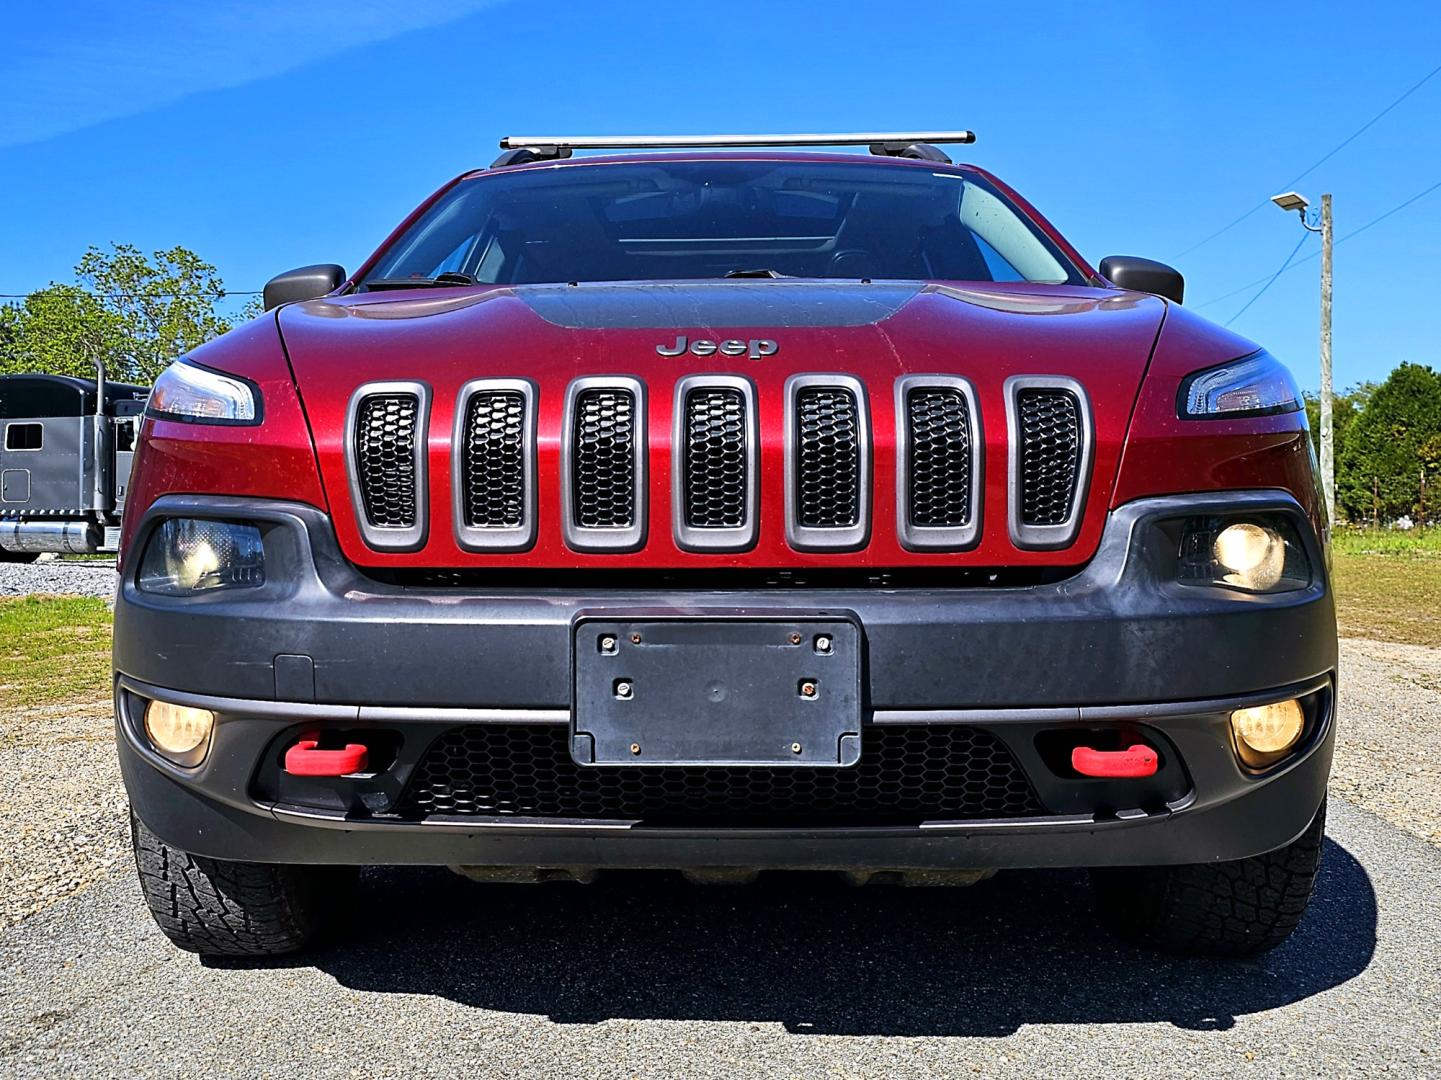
(645, 975)
(74, 577)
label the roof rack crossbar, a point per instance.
(891, 143)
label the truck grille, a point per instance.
(715, 458)
(938, 443)
(1050, 434)
(493, 457)
(907, 774)
(603, 479)
(385, 458)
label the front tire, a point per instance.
(218, 908)
(1238, 908)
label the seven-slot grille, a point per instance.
(907, 774)
(939, 448)
(1049, 422)
(493, 460)
(939, 451)
(385, 458)
(715, 458)
(828, 457)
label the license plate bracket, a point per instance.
(709, 691)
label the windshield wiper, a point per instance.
(448, 280)
(758, 273)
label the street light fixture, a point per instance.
(1288, 201)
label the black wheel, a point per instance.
(18, 556)
(218, 908)
(1214, 909)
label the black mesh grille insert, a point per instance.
(938, 423)
(493, 463)
(1050, 433)
(828, 457)
(907, 774)
(385, 458)
(603, 457)
(715, 458)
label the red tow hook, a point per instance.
(305, 758)
(1134, 761)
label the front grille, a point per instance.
(493, 464)
(1049, 423)
(385, 458)
(938, 433)
(715, 458)
(907, 774)
(603, 454)
(828, 458)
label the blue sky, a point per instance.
(266, 135)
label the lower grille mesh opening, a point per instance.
(604, 459)
(907, 774)
(828, 458)
(385, 458)
(1050, 433)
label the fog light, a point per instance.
(1265, 732)
(179, 732)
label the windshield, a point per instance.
(675, 220)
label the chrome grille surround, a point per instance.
(382, 537)
(951, 537)
(604, 538)
(1058, 534)
(690, 537)
(804, 537)
(502, 537)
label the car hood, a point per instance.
(876, 332)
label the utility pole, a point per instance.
(1288, 201)
(1328, 449)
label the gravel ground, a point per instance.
(644, 975)
(89, 577)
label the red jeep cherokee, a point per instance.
(722, 512)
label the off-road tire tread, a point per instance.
(218, 908)
(1230, 909)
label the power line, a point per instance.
(1354, 232)
(1262, 291)
(1317, 164)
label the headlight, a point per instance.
(1256, 385)
(179, 732)
(1265, 732)
(1261, 554)
(187, 556)
(197, 395)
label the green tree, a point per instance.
(134, 312)
(1345, 407)
(1386, 446)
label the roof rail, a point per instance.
(521, 149)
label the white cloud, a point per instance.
(69, 65)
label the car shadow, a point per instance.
(821, 957)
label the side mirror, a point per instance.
(306, 283)
(1144, 275)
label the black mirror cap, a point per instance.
(1144, 275)
(305, 283)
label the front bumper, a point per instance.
(1120, 645)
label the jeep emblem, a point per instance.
(755, 348)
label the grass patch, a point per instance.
(1390, 597)
(53, 650)
(1351, 541)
